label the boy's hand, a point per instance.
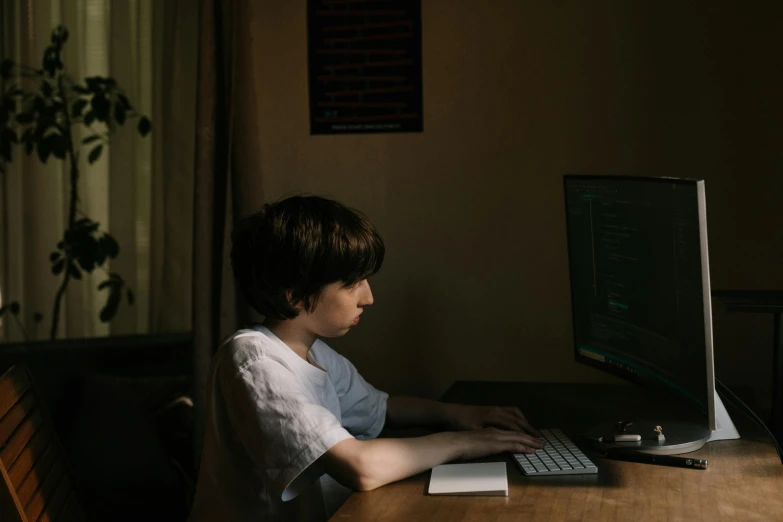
(491, 441)
(464, 417)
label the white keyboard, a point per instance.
(559, 457)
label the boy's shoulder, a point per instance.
(260, 348)
(246, 346)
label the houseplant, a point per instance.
(42, 109)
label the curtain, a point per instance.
(227, 180)
(171, 198)
(175, 40)
(140, 190)
(210, 184)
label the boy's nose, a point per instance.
(367, 298)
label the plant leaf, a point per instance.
(44, 149)
(90, 139)
(59, 34)
(119, 113)
(110, 245)
(112, 303)
(100, 253)
(51, 60)
(94, 84)
(57, 266)
(54, 256)
(89, 253)
(2, 310)
(131, 297)
(37, 317)
(13, 307)
(144, 127)
(87, 262)
(78, 107)
(100, 107)
(85, 222)
(59, 145)
(124, 101)
(95, 154)
(74, 271)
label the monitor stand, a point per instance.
(678, 436)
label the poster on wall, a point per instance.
(364, 61)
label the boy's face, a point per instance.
(337, 309)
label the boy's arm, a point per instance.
(405, 411)
(364, 465)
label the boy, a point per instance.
(292, 426)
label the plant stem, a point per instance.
(74, 178)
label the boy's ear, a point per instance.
(297, 305)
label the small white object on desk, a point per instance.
(626, 437)
(480, 478)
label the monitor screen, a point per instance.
(634, 247)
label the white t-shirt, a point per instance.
(270, 415)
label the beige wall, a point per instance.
(517, 93)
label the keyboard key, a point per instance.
(560, 457)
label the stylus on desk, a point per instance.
(649, 458)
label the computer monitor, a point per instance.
(640, 295)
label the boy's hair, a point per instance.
(301, 244)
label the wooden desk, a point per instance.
(744, 480)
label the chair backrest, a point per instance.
(35, 485)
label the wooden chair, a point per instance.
(35, 485)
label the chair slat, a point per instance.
(56, 502)
(11, 510)
(20, 438)
(36, 504)
(14, 417)
(38, 445)
(13, 384)
(36, 478)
